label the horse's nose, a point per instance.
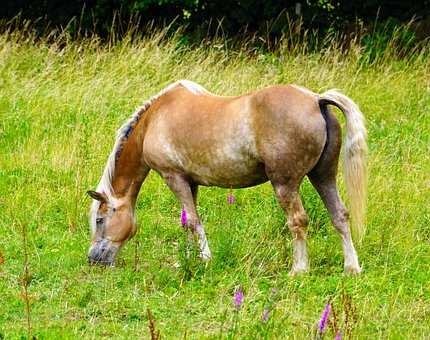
(102, 252)
(101, 255)
(93, 258)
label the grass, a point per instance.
(60, 104)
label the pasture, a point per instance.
(61, 102)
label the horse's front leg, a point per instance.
(186, 193)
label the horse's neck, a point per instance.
(130, 171)
(127, 188)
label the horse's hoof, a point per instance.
(352, 270)
(298, 271)
(205, 257)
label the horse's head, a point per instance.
(112, 224)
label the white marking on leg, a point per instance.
(298, 224)
(300, 257)
(351, 259)
(205, 252)
(351, 264)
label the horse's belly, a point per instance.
(230, 162)
(224, 165)
(227, 174)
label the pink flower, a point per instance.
(266, 314)
(230, 198)
(184, 217)
(324, 318)
(338, 336)
(238, 299)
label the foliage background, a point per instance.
(200, 17)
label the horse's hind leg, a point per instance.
(186, 193)
(297, 220)
(323, 178)
(327, 189)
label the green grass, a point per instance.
(60, 105)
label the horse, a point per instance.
(192, 137)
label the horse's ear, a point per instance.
(97, 196)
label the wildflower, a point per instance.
(238, 299)
(230, 198)
(266, 314)
(338, 335)
(324, 318)
(184, 217)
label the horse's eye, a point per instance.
(99, 220)
(113, 209)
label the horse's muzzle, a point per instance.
(103, 253)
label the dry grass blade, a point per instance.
(155, 335)
(25, 281)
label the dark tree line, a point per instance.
(232, 17)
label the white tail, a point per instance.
(355, 151)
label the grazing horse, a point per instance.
(192, 137)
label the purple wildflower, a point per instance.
(238, 299)
(266, 314)
(230, 198)
(324, 318)
(184, 217)
(338, 335)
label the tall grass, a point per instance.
(61, 101)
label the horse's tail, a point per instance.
(354, 157)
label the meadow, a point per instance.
(61, 101)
